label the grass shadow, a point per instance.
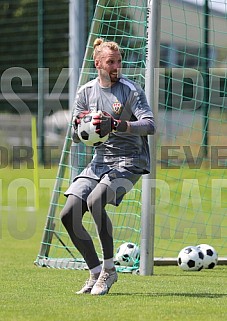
(172, 294)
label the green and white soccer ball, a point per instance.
(190, 258)
(86, 131)
(127, 254)
(210, 256)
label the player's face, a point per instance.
(109, 65)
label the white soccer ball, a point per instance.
(190, 258)
(127, 254)
(86, 131)
(210, 256)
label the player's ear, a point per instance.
(97, 63)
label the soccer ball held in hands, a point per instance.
(87, 131)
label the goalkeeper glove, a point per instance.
(77, 119)
(105, 124)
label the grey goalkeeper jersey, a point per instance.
(125, 100)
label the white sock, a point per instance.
(108, 264)
(96, 269)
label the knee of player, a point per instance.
(90, 202)
(66, 215)
(63, 216)
(94, 201)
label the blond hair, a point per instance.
(99, 45)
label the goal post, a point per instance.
(148, 181)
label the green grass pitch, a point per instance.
(32, 293)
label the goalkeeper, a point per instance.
(117, 164)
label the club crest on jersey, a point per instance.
(117, 107)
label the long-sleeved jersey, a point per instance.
(125, 100)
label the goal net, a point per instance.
(125, 24)
(191, 165)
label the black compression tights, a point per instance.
(72, 215)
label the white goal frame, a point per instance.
(148, 182)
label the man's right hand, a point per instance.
(76, 120)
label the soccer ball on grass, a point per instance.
(127, 254)
(210, 256)
(86, 130)
(190, 258)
